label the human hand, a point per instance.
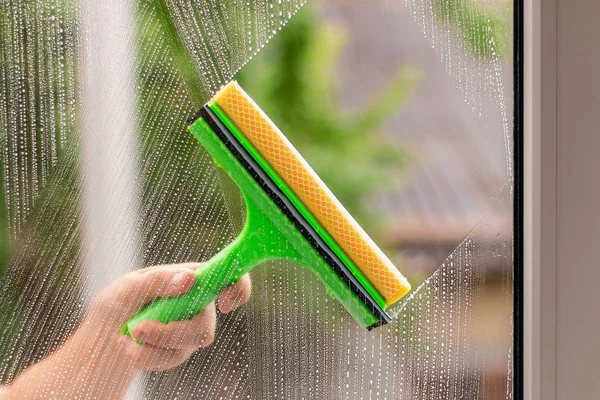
(97, 362)
(164, 345)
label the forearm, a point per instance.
(89, 365)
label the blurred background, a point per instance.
(403, 108)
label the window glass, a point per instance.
(403, 108)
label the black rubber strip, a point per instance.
(195, 117)
(287, 207)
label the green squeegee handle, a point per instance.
(222, 270)
(262, 239)
(211, 278)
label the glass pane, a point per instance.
(403, 108)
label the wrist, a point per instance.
(102, 366)
(89, 365)
(98, 339)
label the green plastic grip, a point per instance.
(222, 270)
(210, 280)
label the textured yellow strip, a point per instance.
(317, 197)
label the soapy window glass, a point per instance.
(403, 108)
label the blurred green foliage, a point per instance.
(295, 80)
(172, 160)
(297, 71)
(37, 112)
(483, 29)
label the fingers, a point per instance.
(165, 345)
(181, 335)
(151, 358)
(197, 332)
(138, 288)
(189, 265)
(168, 345)
(235, 295)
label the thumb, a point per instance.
(139, 288)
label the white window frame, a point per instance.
(561, 200)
